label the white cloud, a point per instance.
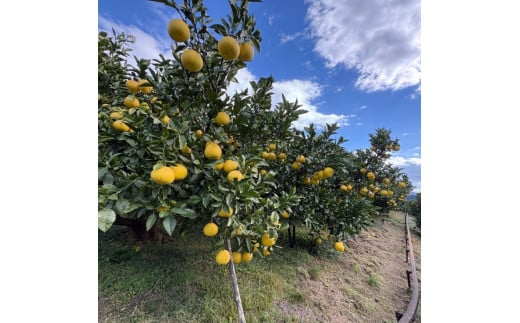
(363, 107)
(284, 38)
(380, 39)
(411, 167)
(306, 92)
(146, 45)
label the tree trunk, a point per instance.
(137, 231)
(234, 283)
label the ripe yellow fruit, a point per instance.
(285, 214)
(222, 118)
(373, 148)
(282, 156)
(163, 176)
(247, 256)
(401, 185)
(230, 165)
(180, 171)
(225, 214)
(370, 194)
(397, 147)
(344, 188)
(386, 181)
(131, 102)
(191, 60)
(210, 229)
(235, 174)
(186, 150)
(120, 126)
(237, 257)
(228, 48)
(116, 115)
(363, 191)
(145, 89)
(371, 176)
(296, 165)
(246, 52)
(219, 166)
(165, 119)
(178, 30)
(383, 192)
(349, 187)
(263, 172)
(267, 240)
(300, 159)
(390, 192)
(339, 246)
(318, 240)
(272, 147)
(132, 86)
(212, 150)
(328, 172)
(223, 257)
(266, 252)
(198, 133)
(271, 156)
(363, 170)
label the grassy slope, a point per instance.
(179, 281)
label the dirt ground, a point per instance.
(374, 284)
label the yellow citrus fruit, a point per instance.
(318, 240)
(186, 150)
(349, 187)
(222, 118)
(145, 89)
(306, 180)
(363, 191)
(383, 192)
(282, 156)
(267, 240)
(225, 214)
(371, 176)
(163, 176)
(272, 147)
(373, 148)
(235, 174)
(120, 126)
(230, 165)
(363, 170)
(198, 133)
(263, 172)
(285, 214)
(397, 147)
(228, 48)
(339, 246)
(247, 256)
(266, 252)
(212, 150)
(386, 181)
(116, 115)
(210, 229)
(246, 52)
(178, 30)
(237, 257)
(389, 147)
(271, 156)
(165, 119)
(180, 171)
(296, 165)
(300, 159)
(223, 257)
(265, 154)
(401, 185)
(191, 60)
(390, 192)
(132, 86)
(344, 188)
(219, 166)
(131, 102)
(328, 172)
(370, 194)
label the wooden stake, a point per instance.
(234, 284)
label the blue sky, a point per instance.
(355, 63)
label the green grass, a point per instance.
(374, 280)
(180, 282)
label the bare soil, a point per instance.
(367, 283)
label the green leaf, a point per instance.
(106, 217)
(169, 224)
(121, 206)
(151, 221)
(187, 213)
